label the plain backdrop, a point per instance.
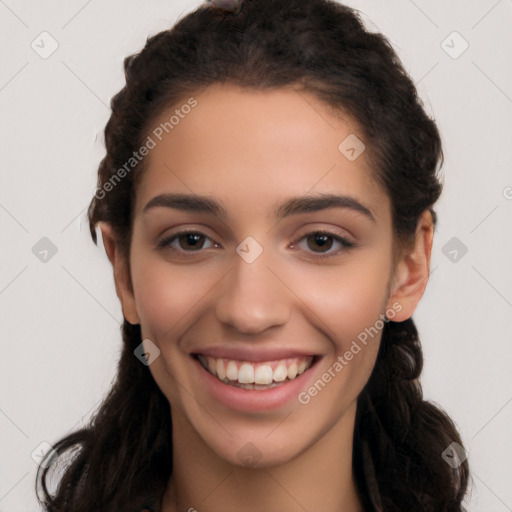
(60, 317)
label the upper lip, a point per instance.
(251, 353)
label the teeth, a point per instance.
(280, 373)
(263, 375)
(212, 365)
(221, 373)
(255, 375)
(245, 374)
(231, 371)
(292, 371)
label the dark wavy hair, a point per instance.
(122, 460)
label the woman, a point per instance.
(266, 202)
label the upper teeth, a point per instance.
(246, 372)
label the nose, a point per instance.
(253, 297)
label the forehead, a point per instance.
(250, 148)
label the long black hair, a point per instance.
(122, 460)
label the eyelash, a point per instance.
(344, 242)
(347, 244)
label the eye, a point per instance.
(186, 240)
(193, 241)
(325, 241)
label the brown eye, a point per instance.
(320, 243)
(321, 240)
(194, 240)
(188, 241)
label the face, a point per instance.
(273, 262)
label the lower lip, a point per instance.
(249, 400)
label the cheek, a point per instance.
(165, 294)
(167, 298)
(347, 299)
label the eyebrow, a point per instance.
(292, 206)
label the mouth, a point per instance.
(256, 375)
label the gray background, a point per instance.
(60, 316)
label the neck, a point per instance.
(319, 478)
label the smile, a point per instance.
(255, 375)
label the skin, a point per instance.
(251, 150)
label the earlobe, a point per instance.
(121, 274)
(412, 270)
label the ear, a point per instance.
(121, 274)
(412, 270)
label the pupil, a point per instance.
(192, 239)
(322, 239)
